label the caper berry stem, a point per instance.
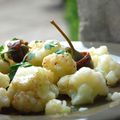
(65, 36)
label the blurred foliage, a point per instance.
(72, 17)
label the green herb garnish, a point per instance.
(37, 41)
(15, 38)
(14, 68)
(2, 53)
(1, 48)
(26, 64)
(60, 52)
(50, 45)
(31, 56)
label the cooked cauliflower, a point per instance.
(113, 96)
(83, 86)
(4, 99)
(109, 68)
(99, 51)
(96, 52)
(35, 57)
(36, 44)
(55, 106)
(4, 80)
(4, 67)
(82, 109)
(31, 88)
(104, 63)
(60, 64)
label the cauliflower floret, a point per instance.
(4, 99)
(60, 64)
(83, 86)
(36, 44)
(113, 96)
(104, 63)
(4, 67)
(31, 88)
(4, 80)
(82, 109)
(109, 68)
(96, 52)
(26, 101)
(55, 106)
(35, 57)
(99, 51)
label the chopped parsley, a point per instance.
(2, 52)
(1, 48)
(60, 52)
(50, 45)
(37, 41)
(15, 38)
(31, 56)
(14, 68)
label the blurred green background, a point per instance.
(72, 18)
